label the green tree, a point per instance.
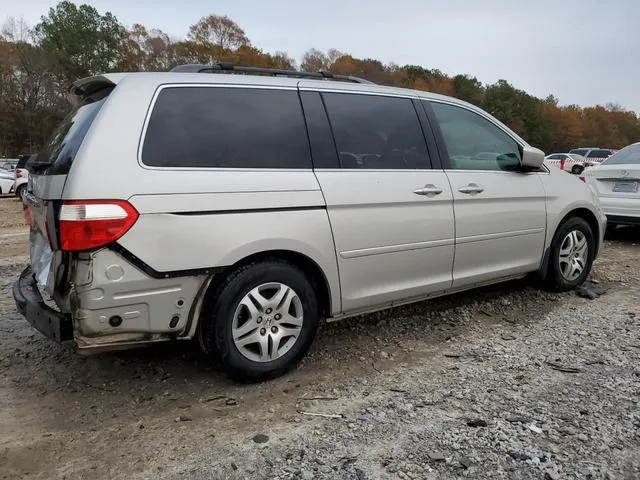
(469, 89)
(79, 40)
(217, 30)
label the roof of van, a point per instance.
(103, 80)
(88, 85)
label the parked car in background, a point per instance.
(569, 162)
(22, 174)
(7, 180)
(616, 181)
(242, 209)
(8, 164)
(594, 156)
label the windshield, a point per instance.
(61, 149)
(628, 155)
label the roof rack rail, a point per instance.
(228, 67)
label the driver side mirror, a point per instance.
(532, 157)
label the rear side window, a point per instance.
(579, 151)
(205, 127)
(61, 149)
(376, 132)
(473, 142)
(627, 156)
(599, 153)
(555, 157)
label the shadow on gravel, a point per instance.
(181, 367)
(627, 234)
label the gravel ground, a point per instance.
(504, 382)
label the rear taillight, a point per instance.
(581, 177)
(18, 173)
(91, 224)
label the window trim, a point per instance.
(433, 158)
(163, 86)
(442, 146)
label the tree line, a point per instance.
(71, 42)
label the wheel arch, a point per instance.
(310, 267)
(580, 212)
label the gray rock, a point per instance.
(477, 422)
(261, 438)
(436, 456)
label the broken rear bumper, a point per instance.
(51, 323)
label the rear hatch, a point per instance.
(48, 174)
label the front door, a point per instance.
(500, 211)
(391, 214)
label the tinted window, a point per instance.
(555, 157)
(323, 148)
(579, 151)
(628, 155)
(22, 160)
(473, 142)
(226, 127)
(61, 149)
(599, 153)
(376, 132)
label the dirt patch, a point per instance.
(14, 232)
(404, 393)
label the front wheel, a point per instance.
(571, 256)
(262, 320)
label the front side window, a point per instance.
(629, 155)
(376, 132)
(473, 142)
(206, 127)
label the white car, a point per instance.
(6, 181)
(22, 175)
(616, 181)
(569, 162)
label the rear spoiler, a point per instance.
(89, 85)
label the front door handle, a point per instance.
(429, 190)
(471, 189)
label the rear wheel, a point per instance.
(20, 191)
(577, 169)
(571, 255)
(261, 320)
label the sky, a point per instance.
(585, 52)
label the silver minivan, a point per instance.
(240, 206)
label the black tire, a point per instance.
(216, 322)
(577, 169)
(20, 190)
(555, 280)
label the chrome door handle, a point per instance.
(428, 190)
(471, 189)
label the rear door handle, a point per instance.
(428, 190)
(471, 189)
